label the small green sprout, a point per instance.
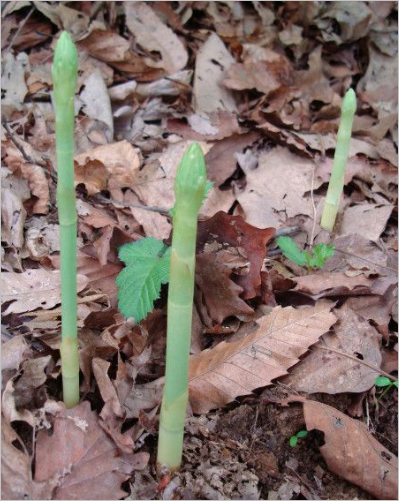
(385, 382)
(294, 439)
(336, 185)
(321, 252)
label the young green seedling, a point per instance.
(336, 184)
(384, 382)
(294, 439)
(190, 189)
(321, 252)
(65, 73)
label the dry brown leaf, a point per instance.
(14, 192)
(214, 127)
(12, 353)
(332, 284)
(327, 371)
(13, 81)
(221, 161)
(233, 231)
(367, 220)
(221, 294)
(106, 46)
(33, 289)
(110, 167)
(83, 457)
(16, 469)
(152, 34)
(212, 62)
(219, 375)
(352, 452)
(276, 189)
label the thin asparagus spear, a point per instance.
(65, 71)
(336, 184)
(190, 190)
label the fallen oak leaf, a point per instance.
(219, 375)
(83, 457)
(221, 294)
(351, 452)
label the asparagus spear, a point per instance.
(65, 71)
(190, 186)
(336, 184)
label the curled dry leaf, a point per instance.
(33, 289)
(352, 452)
(234, 231)
(152, 34)
(83, 458)
(109, 167)
(331, 372)
(214, 127)
(219, 375)
(221, 161)
(221, 294)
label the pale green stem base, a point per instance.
(171, 433)
(329, 216)
(70, 372)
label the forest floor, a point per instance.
(259, 85)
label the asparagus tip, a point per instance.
(349, 102)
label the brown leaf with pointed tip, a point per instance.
(221, 294)
(219, 375)
(221, 161)
(83, 457)
(332, 284)
(234, 231)
(352, 452)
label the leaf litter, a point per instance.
(260, 86)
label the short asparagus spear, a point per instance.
(65, 71)
(189, 190)
(336, 184)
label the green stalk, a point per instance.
(65, 72)
(336, 184)
(190, 190)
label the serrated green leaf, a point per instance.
(293, 441)
(395, 383)
(301, 433)
(321, 252)
(382, 381)
(140, 281)
(291, 250)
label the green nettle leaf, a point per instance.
(301, 433)
(294, 441)
(321, 252)
(382, 381)
(147, 268)
(291, 251)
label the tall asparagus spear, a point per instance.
(336, 184)
(190, 186)
(65, 71)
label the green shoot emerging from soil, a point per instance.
(294, 439)
(321, 252)
(65, 73)
(190, 187)
(336, 184)
(385, 382)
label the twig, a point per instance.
(376, 369)
(20, 27)
(161, 210)
(314, 207)
(19, 146)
